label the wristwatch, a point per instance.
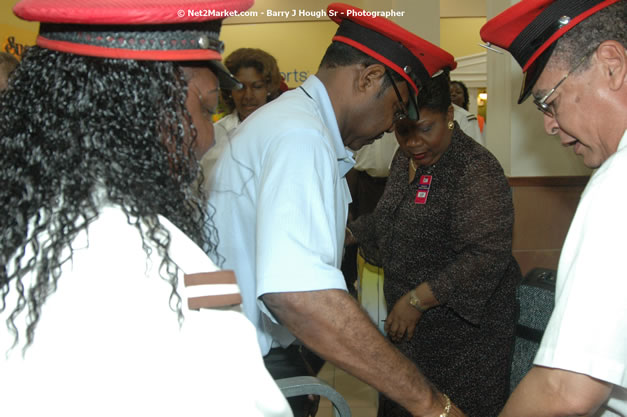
(415, 301)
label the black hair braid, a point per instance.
(71, 126)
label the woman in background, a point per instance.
(459, 94)
(443, 233)
(7, 64)
(259, 75)
(459, 97)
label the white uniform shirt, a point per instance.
(281, 203)
(376, 158)
(587, 332)
(468, 123)
(223, 130)
(108, 343)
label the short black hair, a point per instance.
(465, 90)
(340, 54)
(435, 94)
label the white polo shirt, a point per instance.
(587, 332)
(281, 203)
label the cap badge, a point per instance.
(203, 42)
(488, 45)
(563, 21)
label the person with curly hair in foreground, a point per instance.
(110, 302)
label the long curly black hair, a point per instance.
(71, 125)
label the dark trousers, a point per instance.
(295, 360)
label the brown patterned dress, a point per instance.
(460, 242)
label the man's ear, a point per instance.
(371, 77)
(613, 58)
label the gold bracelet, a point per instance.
(447, 407)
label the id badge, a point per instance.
(423, 189)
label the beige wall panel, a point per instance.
(462, 8)
(460, 35)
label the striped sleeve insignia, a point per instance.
(203, 289)
(471, 117)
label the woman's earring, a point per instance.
(451, 125)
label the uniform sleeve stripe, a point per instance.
(213, 301)
(208, 278)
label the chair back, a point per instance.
(536, 299)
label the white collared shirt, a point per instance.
(281, 203)
(587, 332)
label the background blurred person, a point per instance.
(443, 233)
(459, 94)
(468, 122)
(110, 304)
(8, 62)
(259, 75)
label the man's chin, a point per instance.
(358, 146)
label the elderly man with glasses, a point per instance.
(574, 57)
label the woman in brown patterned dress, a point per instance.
(443, 233)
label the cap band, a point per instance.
(545, 25)
(534, 70)
(150, 42)
(390, 53)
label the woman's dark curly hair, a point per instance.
(71, 125)
(260, 60)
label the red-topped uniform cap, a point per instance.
(415, 59)
(530, 29)
(159, 30)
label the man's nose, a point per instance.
(550, 125)
(248, 92)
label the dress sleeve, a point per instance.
(482, 217)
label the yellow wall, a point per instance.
(21, 32)
(297, 46)
(460, 35)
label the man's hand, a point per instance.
(332, 324)
(349, 239)
(402, 320)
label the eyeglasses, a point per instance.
(399, 114)
(207, 111)
(541, 103)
